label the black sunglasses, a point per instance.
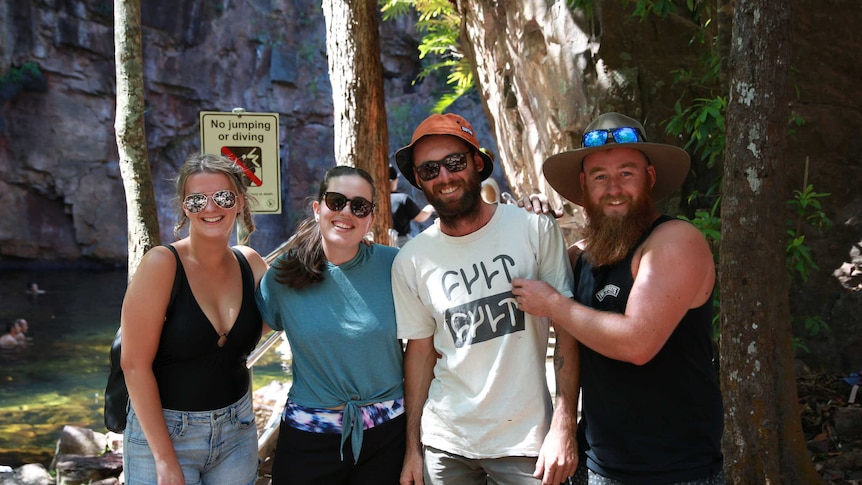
(195, 203)
(454, 162)
(360, 206)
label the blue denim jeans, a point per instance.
(214, 447)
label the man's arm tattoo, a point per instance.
(559, 360)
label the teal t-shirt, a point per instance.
(342, 334)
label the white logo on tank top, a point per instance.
(612, 290)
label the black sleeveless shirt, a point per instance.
(193, 373)
(656, 423)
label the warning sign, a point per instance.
(252, 141)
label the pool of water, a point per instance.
(59, 377)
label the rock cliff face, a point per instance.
(59, 175)
(60, 186)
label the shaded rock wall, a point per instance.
(830, 102)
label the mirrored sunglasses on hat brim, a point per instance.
(623, 134)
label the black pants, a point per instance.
(583, 476)
(303, 458)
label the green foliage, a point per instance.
(805, 205)
(28, 77)
(585, 5)
(439, 25)
(703, 122)
(708, 222)
(807, 208)
(799, 260)
(796, 120)
(394, 8)
(814, 326)
(400, 129)
(20, 74)
(799, 344)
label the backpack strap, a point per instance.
(116, 393)
(176, 288)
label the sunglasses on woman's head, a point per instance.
(360, 206)
(454, 162)
(624, 134)
(194, 203)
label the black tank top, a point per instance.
(656, 423)
(193, 373)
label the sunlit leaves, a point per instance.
(439, 24)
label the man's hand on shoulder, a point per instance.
(539, 204)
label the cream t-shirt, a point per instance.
(489, 396)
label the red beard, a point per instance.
(610, 238)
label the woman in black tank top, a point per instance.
(184, 351)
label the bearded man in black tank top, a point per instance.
(641, 316)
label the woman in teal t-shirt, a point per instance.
(332, 294)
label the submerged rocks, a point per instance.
(33, 474)
(105, 469)
(83, 456)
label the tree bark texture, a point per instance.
(763, 440)
(520, 49)
(356, 75)
(724, 22)
(143, 223)
(543, 75)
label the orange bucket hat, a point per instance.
(445, 124)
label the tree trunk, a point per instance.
(724, 29)
(143, 222)
(543, 77)
(516, 46)
(356, 75)
(763, 438)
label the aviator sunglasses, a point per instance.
(360, 206)
(195, 203)
(454, 162)
(624, 134)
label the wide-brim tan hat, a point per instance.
(445, 124)
(671, 162)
